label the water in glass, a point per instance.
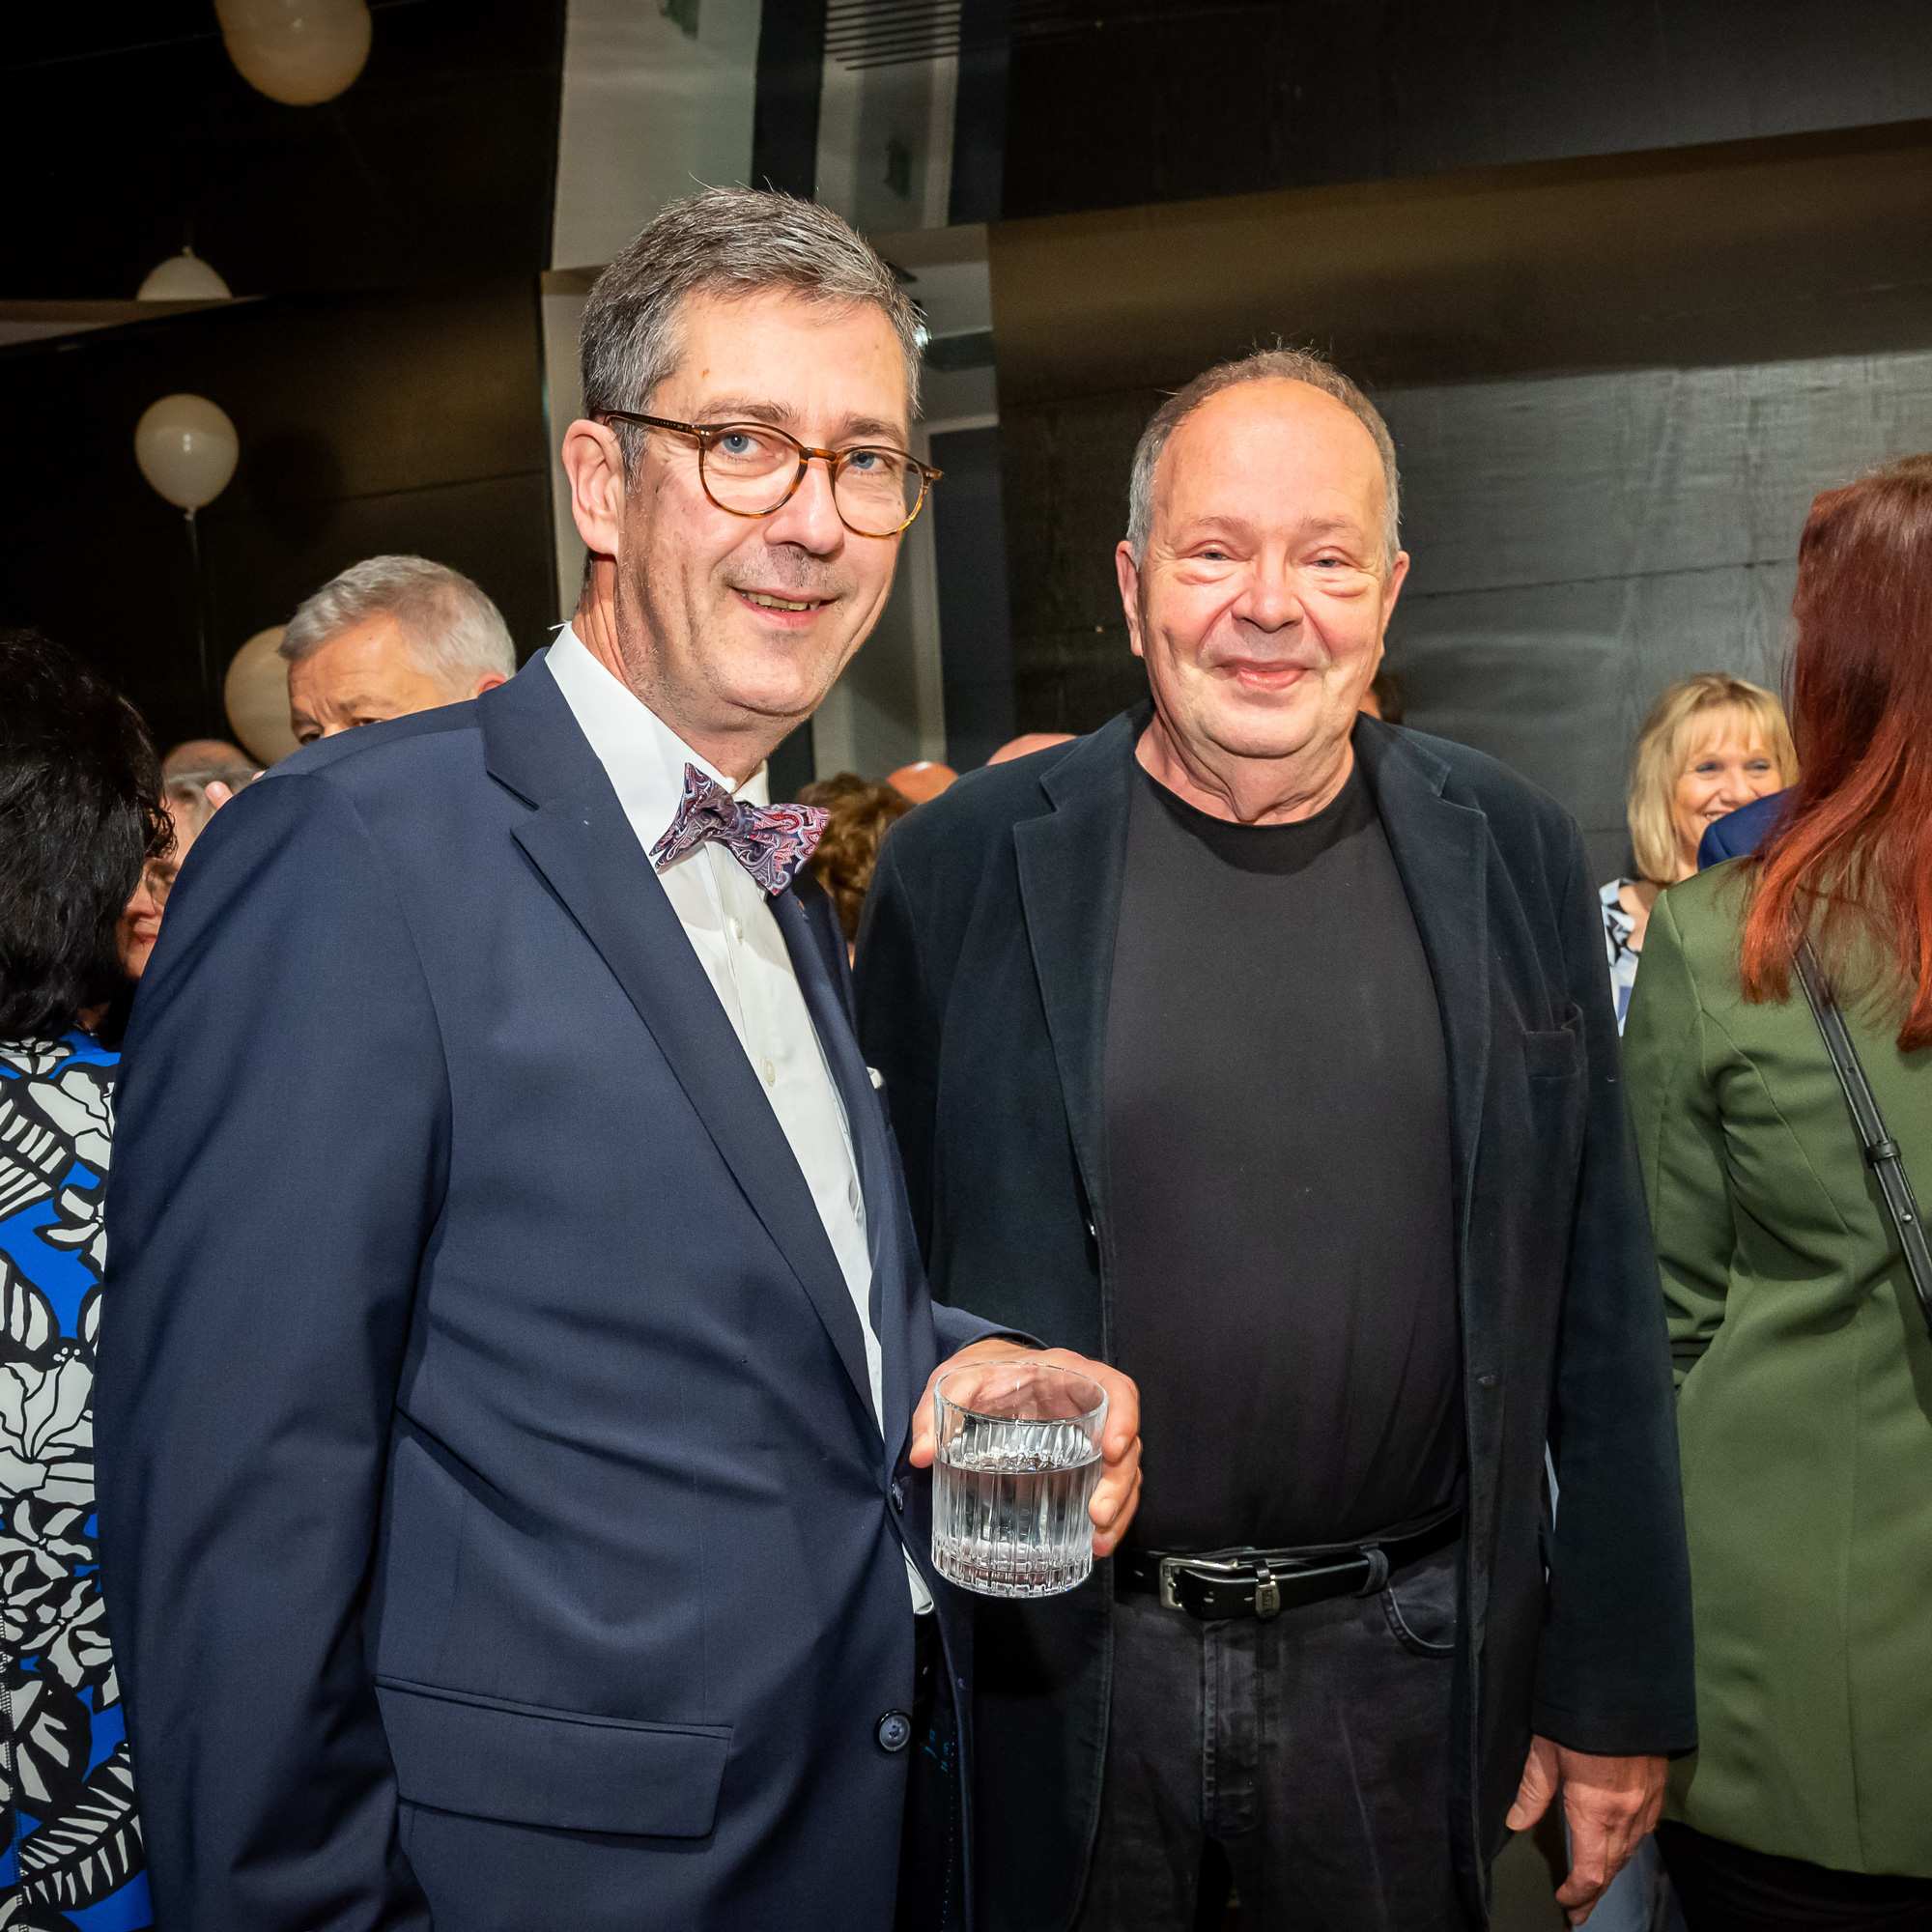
(1018, 1457)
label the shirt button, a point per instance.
(736, 930)
(770, 1073)
(894, 1731)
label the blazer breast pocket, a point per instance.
(1556, 1054)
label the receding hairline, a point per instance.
(1237, 390)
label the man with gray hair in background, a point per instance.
(1266, 1049)
(389, 637)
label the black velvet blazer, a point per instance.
(983, 977)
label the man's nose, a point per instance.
(810, 519)
(1273, 599)
(332, 730)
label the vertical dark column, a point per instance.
(980, 112)
(976, 644)
(784, 114)
(785, 155)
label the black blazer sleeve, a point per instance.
(1614, 1672)
(275, 1181)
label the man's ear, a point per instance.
(489, 681)
(593, 462)
(1128, 573)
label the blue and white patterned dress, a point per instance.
(1619, 928)
(70, 1856)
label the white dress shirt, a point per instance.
(729, 924)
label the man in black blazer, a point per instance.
(1267, 1051)
(507, 1459)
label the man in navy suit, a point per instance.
(507, 1484)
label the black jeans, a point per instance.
(1307, 1755)
(931, 1867)
(1728, 1888)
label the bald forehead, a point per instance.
(1273, 447)
(1277, 407)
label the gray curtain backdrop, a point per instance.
(1578, 542)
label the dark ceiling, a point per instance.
(129, 129)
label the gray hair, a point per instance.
(1264, 365)
(454, 632)
(726, 242)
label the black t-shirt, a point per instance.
(1280, 1234)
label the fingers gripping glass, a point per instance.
(751, 469)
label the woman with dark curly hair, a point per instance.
(80, 823)
(848, 848)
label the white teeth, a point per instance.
(775, 603)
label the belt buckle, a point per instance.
(1216, 1569)
(1170, 1567)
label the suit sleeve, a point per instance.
(1680, 1140)
(275, 1181)
(1615, 1669)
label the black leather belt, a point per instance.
(1210, 1583)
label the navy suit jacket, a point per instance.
(496, 1530)
(1741, 832)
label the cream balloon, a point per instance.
(186, 448)
(299, 52)
(182, 277)
(255, 694)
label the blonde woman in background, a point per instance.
(1711, 745)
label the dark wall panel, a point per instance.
(975, 646)
(1116, 102)
(410, 422)
(127, 125)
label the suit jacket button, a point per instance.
(897, 1494)
(894, 1731)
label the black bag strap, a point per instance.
(1880, 1149)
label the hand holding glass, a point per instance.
(1017, 1454)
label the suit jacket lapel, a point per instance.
(1441, 852)
(1071, 863)
(812, 936)
(579, 841)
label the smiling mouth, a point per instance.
(765, 601)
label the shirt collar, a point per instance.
(642, 756)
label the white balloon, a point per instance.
(186, 448)
(297, 51)
(256, 697)
(182, 277)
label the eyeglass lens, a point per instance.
(750, 469)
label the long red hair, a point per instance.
(1850, 859)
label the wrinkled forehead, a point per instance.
(1273, 452)
(787, 357)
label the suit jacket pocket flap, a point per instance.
(557, 1768)
(1554, 1055)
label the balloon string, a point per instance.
(200, 610)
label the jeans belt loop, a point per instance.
(1268, 1594)
(1376, 1558)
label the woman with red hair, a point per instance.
(1803, 1360)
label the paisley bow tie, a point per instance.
(771, 842)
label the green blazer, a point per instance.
(1804, 1402)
